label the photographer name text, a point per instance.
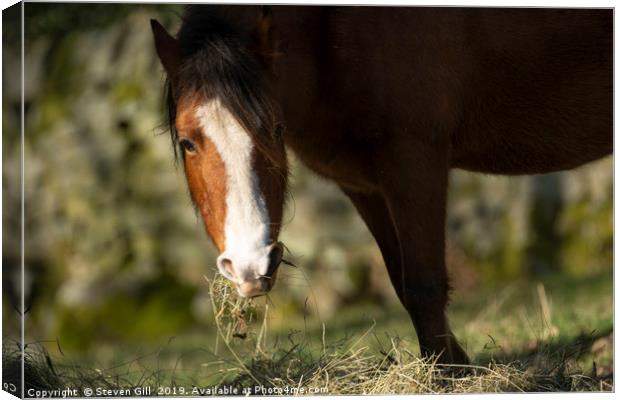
(144, 391)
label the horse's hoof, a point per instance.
(454, 356)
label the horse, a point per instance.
(384, 101)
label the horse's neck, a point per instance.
(312, 128)
(296, 71)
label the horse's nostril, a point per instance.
(228, 266)
(275, 257)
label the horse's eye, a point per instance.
(187, 145)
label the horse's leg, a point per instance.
(373, 210)
(414, 182)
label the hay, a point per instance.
(341, 367)
(350, 368)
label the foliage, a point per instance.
(51, 21)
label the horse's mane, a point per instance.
(217, 61)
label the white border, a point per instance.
(479, 3)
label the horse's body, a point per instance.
(502, 90)
(385, 101)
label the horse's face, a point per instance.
(237, 181)
(239, 198)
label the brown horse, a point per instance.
(384, 101)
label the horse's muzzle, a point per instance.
(250, 284)
(255, 287)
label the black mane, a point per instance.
(218, 61)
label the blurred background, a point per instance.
(116, 257)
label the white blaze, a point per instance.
(246, 227)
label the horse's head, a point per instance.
(225, 123)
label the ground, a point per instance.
(552, 335)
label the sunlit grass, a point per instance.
(526, 336)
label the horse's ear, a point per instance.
(167, 48)
(263, 36)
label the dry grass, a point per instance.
(351, 368)
(245, 359)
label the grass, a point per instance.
(524, 337)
